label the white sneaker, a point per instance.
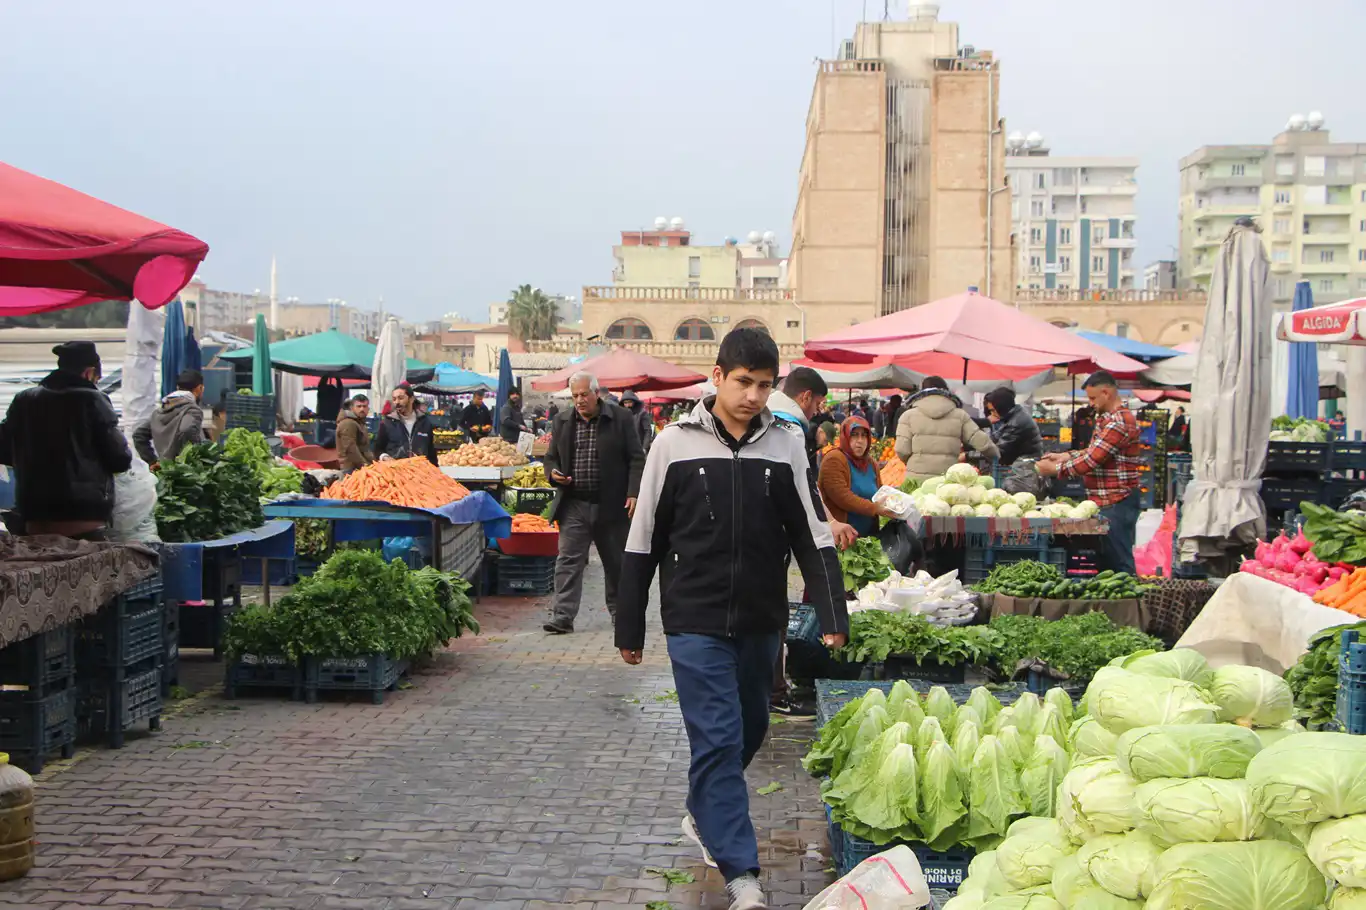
(690, 832)
(745, 893)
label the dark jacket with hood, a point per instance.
(394, 440)
(353, 442)
(718, 518)
(645, 427)
(620, 459)
(177, 422)
(1017, 436)
(511, 423)
(64, 443)
(474, 418)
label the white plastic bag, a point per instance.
(135, 501)
(898, 502)
(892, 880)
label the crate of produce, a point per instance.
(123, 632)
(903, 666)
(270, 671)
(1298, 457)
(31, 728)
(41, 663)
(375, 674)
(522, 576)
(1049, 429)
(833, 694)
(536, 543)
(279, 571)
(1336, 490)
(253, 412)
(114, 700)
(530, 500)
(1351, 708)
(943, 870)
(1286, 493)
(977, 564)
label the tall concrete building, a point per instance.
(902, 195)
(1073, 217)
(1307, 192)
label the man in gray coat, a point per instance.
(177, 422)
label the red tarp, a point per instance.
(60, 248)
(621, 369)
(948, 335)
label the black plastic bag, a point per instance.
(902, 546)
(1023, 478)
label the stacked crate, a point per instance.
(121, 651)
(1152, 425)
(38, 698)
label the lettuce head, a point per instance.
(1042, 774)
(941, 792)
(1252, 696)
(1062, 703)
(1310, 778)
(984, 703)
(1088, 739)
(994, 796)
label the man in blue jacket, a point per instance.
(727, 495)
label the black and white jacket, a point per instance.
(718, 520)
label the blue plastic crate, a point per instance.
(42, 663)
(1351, 707)
(31, 728)
(526, 576)
(112, 701)
(834, 694)
(802, 624)
(124, 632)
(375, 674)
(835, 833)
(944, 871)
(1286, 493)
(271, 671)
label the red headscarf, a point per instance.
(846, 441)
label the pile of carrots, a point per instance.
(414, 482)
(893, 473)
(533, 524)
(1348, 593)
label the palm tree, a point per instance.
(532, 316)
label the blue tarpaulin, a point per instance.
(389, 520)
(175, 356)
(182, 564)
(1302, 393)
(1138, 350)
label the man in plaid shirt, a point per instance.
(1110, 468)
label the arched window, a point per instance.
(629, 330)
(753, 324)
(694, 330)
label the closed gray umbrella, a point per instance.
(1230, 404)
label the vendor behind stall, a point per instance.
(848, 479)
(477, 420)
(406, 430)
(1110, 467)
(63, 440)
(353, 438)
(1012, 427)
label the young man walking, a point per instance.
(725, 497)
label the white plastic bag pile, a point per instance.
(943, 600)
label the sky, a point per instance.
(438, 154)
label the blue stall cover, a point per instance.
(1129, 347)
(476, 507)
(1302, 393)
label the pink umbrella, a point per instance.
(60, 248)
(687, 393)
(949, 336)
(620, 369)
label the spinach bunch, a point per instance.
(251, 447)
(1077, 645)
(876, 634)
(206, 493)
(1337, 536)
(1314, 678)
(864, 563)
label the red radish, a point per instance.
(1301, 543)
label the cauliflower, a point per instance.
(1077, 513)
(953, 493)
(1025, 501)
(1034, 513)
(984, 511)
(1055, 510)
(975, 495)
(933, 506)
(961, 473)
(1009, 510)
(985, 482)
(961, 510)
(1087, 508)
(996, 497)
(931, 485)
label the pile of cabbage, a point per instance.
(903, 769)
(1190, 788)
(963, 493)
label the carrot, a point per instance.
(413, 482)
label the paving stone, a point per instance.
(520, 771)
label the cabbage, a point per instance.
(1097, 898)
(1041, 775)
(941, 793)
(962, 510)
(1176, 810)
(984, 703)
(1338, 848)
(1121, 863)
(953, 493)
(930, 485)
(1026, 858)
(1252, 697)
(1096, 797)
(996, 497)
(993, 790)
(939, 703)
(1009, 510)
(1034, 513)
(984, 511)
(1310, 778)
(1178, 663)
(1054, 510)
(975, 495)
(1088, 739)
(1070, 879)
(934, 506)
(1025, 501)
(1088, 508)
(986, 482)
(965, 900)
(1255, 875)
(1059, 699)
(1187, 750)
(1022, 901)
(1347, 899)
(1121, 700)
(961, 473)
(1076, 513)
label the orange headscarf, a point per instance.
(846, 441)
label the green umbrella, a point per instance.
(329, 353)
(260, 359)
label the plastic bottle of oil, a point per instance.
(16, 821)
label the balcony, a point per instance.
(1207, 240)
(1072, 295)
(1281, 268)
(1250, 210)
(1108, 189)
(1213, 181)
(1119, 243)
(1340, 267)
(1326, 208)
(673, 351)
(757, 295)
(1326, 238)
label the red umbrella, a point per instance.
(60, 248)
(620, 369)
(949, 336)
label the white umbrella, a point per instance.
(289, 397)
(142, 364)
(1230, 404)
(391, 363)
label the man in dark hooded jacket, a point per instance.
(645, 427)
(1012, 428)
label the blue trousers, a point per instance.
(723, 690)
(1118, 546)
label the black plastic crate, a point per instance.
(272, 671)
(903, 666)
(833, 694)
(1348, 456)
(252, 412)
(1298, 457)
(122, 633)
(1286, 493)
(115, 700)
(1337, 489)
(462, 547)
(526, 576)
(802, 624)
(374, 674)
(532, 500)
(977, 564)
(304, 567)
(42, 663)
(31, 728)
(1069, 487)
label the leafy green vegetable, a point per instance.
(1252, 696)
(1076, 645)
(1257, 875)
(941, 793)
(1338, 848)
(864, 563)
(877, 634)
(250, 447)
(1096, 797)
(1187, 750)
(1310, 777)
(770, 787)
(1041, 775)
(1121, 700)
(1337, 536)
(1027, 856)
(206, 493)
(1314, 679)
(311, 537)
(1121, 863)
(1198, 809)
(994, 797)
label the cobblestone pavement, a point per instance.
(519, 771)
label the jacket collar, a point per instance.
(782, 405)
(64, 379)
(919, 396)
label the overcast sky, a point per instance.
(439, 153)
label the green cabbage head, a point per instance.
(1095, 798)
(1178, 663)
(1347, 899)
(1310, 778)
(1338, 848)
(1252, 696)
(1121, 863)
(1121, 700)
(1022, 902)
(1026, 859)
(1179, 810)
(1251, 875)
(1089, 739)
(1187, 750)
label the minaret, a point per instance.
(274, 300)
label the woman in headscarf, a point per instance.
(848, 479)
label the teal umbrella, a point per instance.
(260, 359)
(329, 353)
